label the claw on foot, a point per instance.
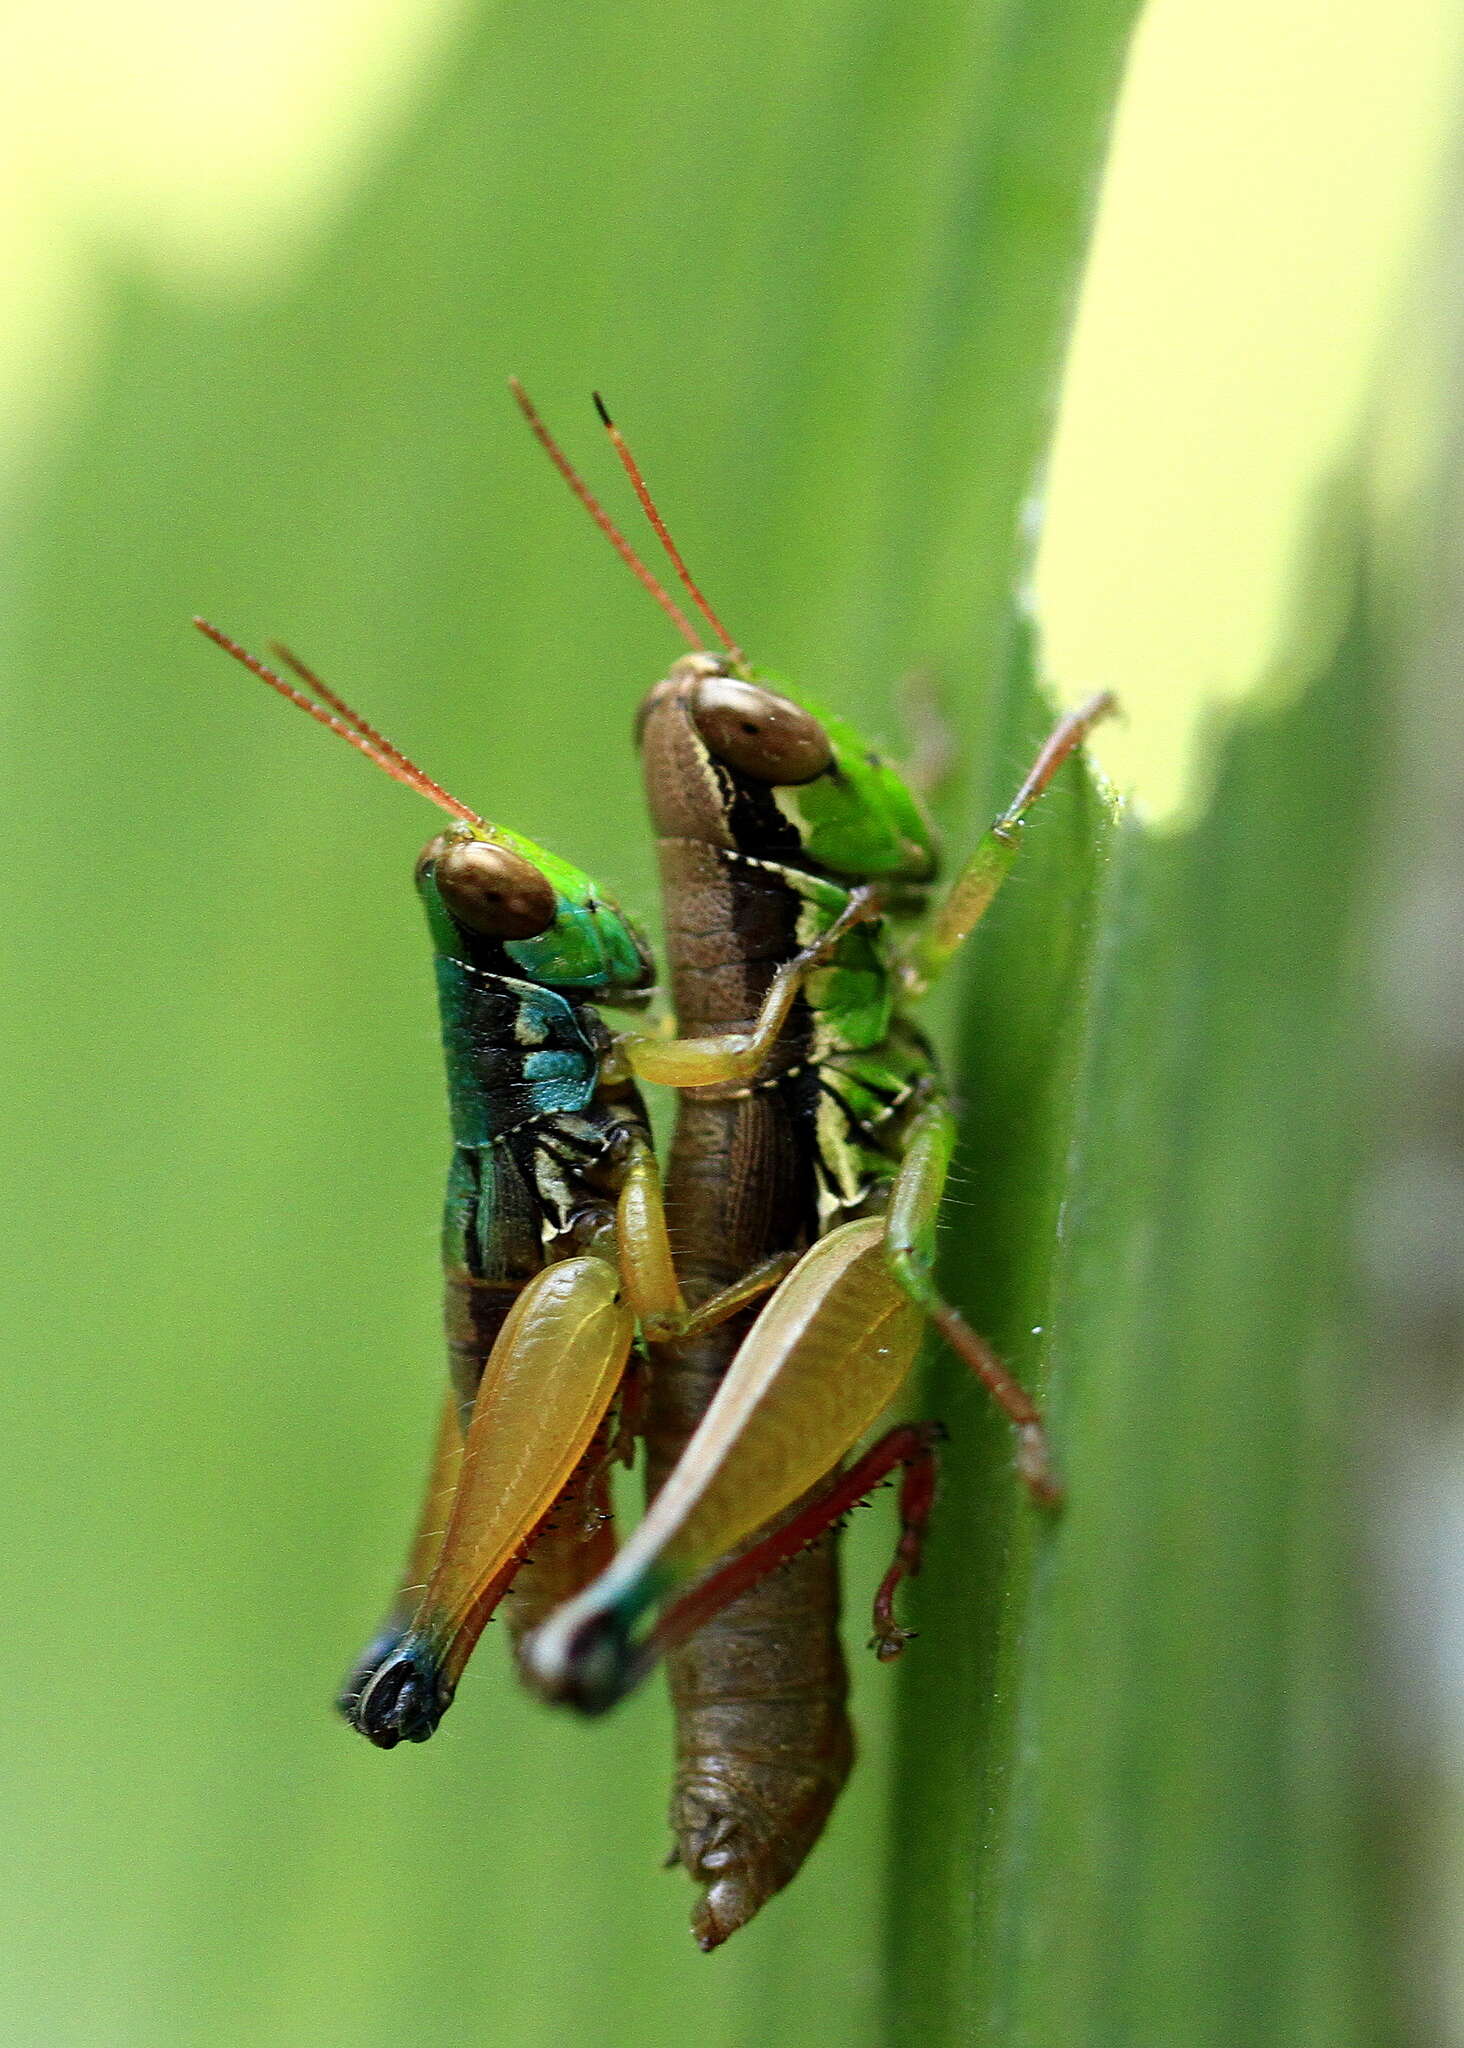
(888, 1643)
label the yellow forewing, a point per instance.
(546, 1387)
(826, 1355)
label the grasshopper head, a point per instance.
(497, 900)
(760, 769)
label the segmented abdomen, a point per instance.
(763, 1744)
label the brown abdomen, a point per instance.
(763, 1744)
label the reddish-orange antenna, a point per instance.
(337, 703)
(648, 506)
(343, 720)
(601, 517)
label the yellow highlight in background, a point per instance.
(1271, 187)
(1271, 183)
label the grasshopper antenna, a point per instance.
(321, 689)
(601, 517)
(648, 505)
(340, 718)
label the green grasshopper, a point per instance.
(554, 1237)
(792, 856)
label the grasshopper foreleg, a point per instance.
(971, 894)
(734, 1056)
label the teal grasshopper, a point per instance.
(754, 782)
(554, 1239)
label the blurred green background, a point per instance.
(270, 271)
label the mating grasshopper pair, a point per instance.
(811, 1151)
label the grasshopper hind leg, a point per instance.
(545, 1393)
(400, 1689)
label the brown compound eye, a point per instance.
(493, 891)
(760, 734)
